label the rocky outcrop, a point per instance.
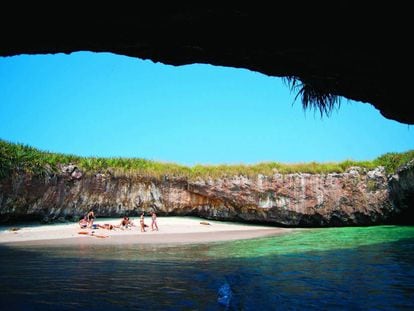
(318, 42)
(401, 186)
(357, 197)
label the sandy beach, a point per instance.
(172, 230)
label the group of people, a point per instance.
(154, 225)
(87, 222)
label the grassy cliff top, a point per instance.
(23, 158)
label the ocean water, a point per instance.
(354, 268)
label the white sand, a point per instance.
(172, 230)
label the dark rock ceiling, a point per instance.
(358, 50)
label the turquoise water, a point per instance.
(356, 268)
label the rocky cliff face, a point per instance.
(357, 197)
(401, 186)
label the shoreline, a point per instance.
(173, 230)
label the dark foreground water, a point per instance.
(322, 269)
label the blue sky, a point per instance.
(102, 104)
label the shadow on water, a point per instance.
(312, 269)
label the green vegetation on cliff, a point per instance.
(22, 158)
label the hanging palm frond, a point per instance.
(313, 97)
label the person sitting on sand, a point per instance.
(83, 223)
(142, 222)
(130, 222)
(154, 221)
(90, 218)
(126, 223)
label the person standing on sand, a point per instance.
(142, 223)
(154, 221)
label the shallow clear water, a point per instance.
(336, 268)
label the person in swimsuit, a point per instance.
(83, 223)
(154, 221)
(107, 226)
(142, 222)
(126, 223)
(90, 217)
(130, 223)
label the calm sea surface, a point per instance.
(363, 268)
